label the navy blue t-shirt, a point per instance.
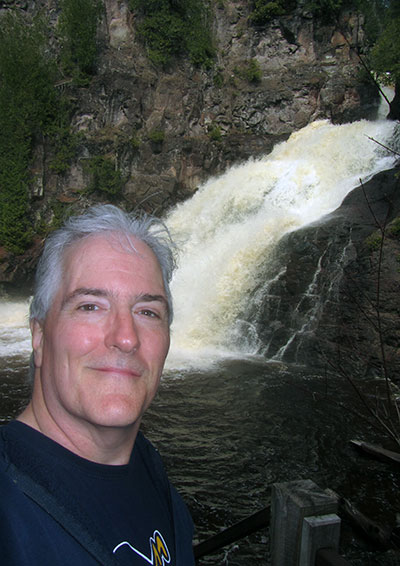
(128, 507)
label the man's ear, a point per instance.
(37, 341)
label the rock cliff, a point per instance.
(167, 130)
(207, 120)
(337, 300)
(307, 71)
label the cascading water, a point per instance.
(14, 331)
(233, 223)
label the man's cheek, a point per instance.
(80, 341)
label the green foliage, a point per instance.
(134, 141)
(29, 105)
(78, 31)
(27, 74)
(15, 232)
(385, 59)
(65, 149)
(172, 28)
(215, 133)
(393, 229)
(219, 79)
(373, 11)
(374, 241)
(64, 142)
(105, 177)
(157, 136)
(60, 212)
(326, 10)
(265, 10)
(253, 71)
(249, 71)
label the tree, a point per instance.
(78, 32)
(28, 104)
(385, 60)
(171, 28)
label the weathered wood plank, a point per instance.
(377, 451)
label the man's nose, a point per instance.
(122, 333)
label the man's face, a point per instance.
(101, 350)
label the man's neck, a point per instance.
(103, 445)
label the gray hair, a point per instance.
(97, 220)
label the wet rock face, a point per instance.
(324, 306)
(212, 119)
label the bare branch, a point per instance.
(384, 146)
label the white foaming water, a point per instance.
(232, 224)
(14, 329)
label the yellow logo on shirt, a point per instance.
(158, 548)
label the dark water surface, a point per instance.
(227, 434)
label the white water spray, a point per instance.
(14, 329)
(233, 223)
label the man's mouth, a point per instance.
(119, 371)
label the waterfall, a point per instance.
(232, 226)
(14, 329)
(234, 222)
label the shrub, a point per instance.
(134, 141)
(65, 146)
(105, 177)
(249, 71)
(215, 133)
(328, 10)
(265, 10)
(374, 241)
(253, 72)
(78, 31)
(393, 229)
(219, 79)
(175, 27)
(157, 136)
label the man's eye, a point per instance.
(149, 313)
(88, 307)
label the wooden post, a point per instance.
(318, 532)
(291, 502)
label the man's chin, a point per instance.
(117, 413)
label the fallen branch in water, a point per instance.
(377, 451)
(383, 536)
(384, 146)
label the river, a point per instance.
(228, 421)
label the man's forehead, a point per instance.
(118, 241)
(90, 261)
(109, 246)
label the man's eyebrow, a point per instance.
(148, 298)
(82, 291)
